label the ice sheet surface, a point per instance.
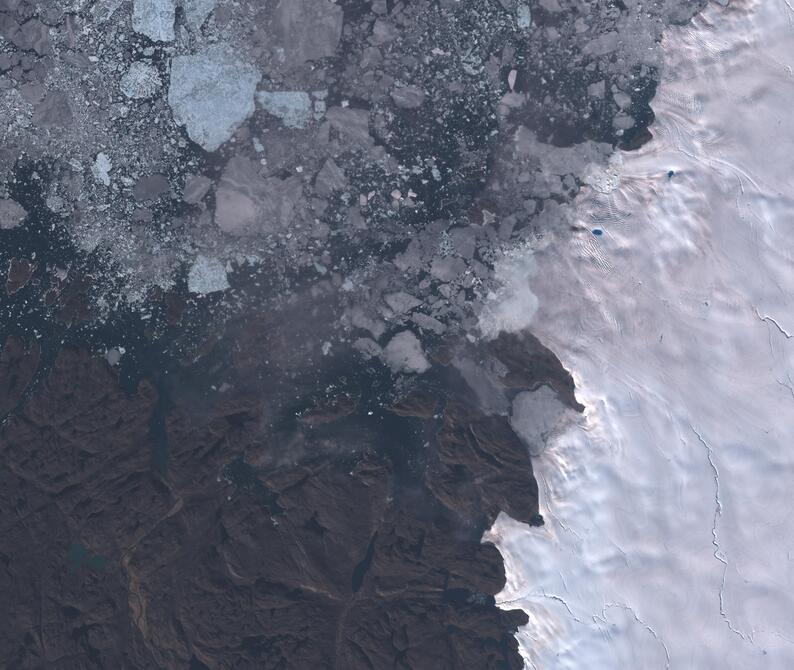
(669, 537)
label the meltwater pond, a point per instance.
(669, 538)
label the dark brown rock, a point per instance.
(234, 528)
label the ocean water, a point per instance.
(669, 507)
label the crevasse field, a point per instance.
(669, 536)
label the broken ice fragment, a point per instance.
(34, 35)
(247, 204)
(113, 356)
(11, 214)
(367, 347)
(447, 268)
(207, 275)
(403, 353)
(155, 19)
(211, 93)
(292, 107)
(523, 16)
(408, 97)
(196, 187)
(511, 307)
(101, 168)
(330, 178)
(352, 124)
(428, 323)
(197, 11)
(151, 187)
(306, 29)
(401, 302)
(53, 111)
(140, 81)
(104, 9)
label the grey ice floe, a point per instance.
(404, 353)
(401, 302)
(197, 11)
(53, 111)
(306, 30)
(430, 323)
(247, 204)
(154, 19)
(294, 108)
(140, 81)
(211, 93)
(103, 10)
(150, 187)
(196, 187)
(11, 214)
(207, 275)
(367, 347)
(408, 97)
(329, 179)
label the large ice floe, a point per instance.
(211, 94)
(669, 535)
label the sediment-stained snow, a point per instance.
(669, 538)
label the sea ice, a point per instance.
(294, 108)
(140, 81)
(155, 19)
(404, 353)
(11, 214)
(523, 16)
(207, 275)
(197, 11)
(211, 93)
(669, 536)
(306, 29)
(408, 97)
(101, 168)
(511, 307)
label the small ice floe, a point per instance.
(101, 168)
(294, 108)
(207, 275)
(113, 356)
(197, 11)
(11, 214)
(154, 19)
(196, 187)
(404, 353)
(408, 97)
(523, 16)
(140, 81)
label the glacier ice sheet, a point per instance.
(668, 536)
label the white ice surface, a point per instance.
(669, 537)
